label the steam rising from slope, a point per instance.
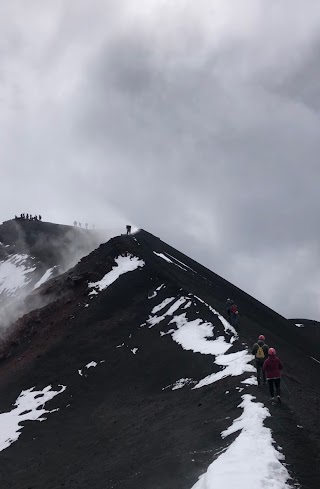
(30, 249)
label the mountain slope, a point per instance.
(30, 253)
(151, 374)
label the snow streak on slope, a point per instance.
(227, 326)
(44, 277)
(198, 336)
(235, 364)
(124, 264)
(15, 274)
(28, 407)
(167, 259)
(251, 460)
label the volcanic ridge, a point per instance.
(139, 380)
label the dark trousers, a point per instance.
(272, 383)
(260, 371)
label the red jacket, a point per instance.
(233, 309)
(272, 367)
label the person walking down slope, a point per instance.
(228, 306)
(234, 316)
(272, 367)
(260, 352)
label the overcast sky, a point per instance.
(196, 120)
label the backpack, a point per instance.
(260, 353)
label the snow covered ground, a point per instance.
(125, 264)
(28, 407)
(252, 460)
(15, 274)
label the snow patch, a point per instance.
(91, 364)
(28, 407)
(14, 273)
(250, 381)
(155, 293)
(181, 383)
(252, 449)
(153, 320)
(124, 264)
(300, 325)
(44, 277)
(235, 364)
(161, 255)
(227, 326)
(167, 259)
(192, 335)
(134, 350)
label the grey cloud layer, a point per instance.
(197, 122)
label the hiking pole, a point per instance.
(285, 386)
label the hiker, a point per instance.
(229, 303)
(40, 217)
(272, 368)
(234, 316)
(128, 228)
(260, 352)
(27, 216)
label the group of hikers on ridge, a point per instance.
(268, 366)
(29, 217)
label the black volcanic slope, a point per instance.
(117, 427)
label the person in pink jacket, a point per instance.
(272, 368)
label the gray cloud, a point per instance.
(198, 122)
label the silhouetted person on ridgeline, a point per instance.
(40, 217)
(128, 228)
(27, 216)
(260, 352)
(75, 223)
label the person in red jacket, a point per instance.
(272, 367)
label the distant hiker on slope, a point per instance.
(228, 306)
(272, 367)
(128, 228)
(260, 352)
(234, 316)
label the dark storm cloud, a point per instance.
(198, 122)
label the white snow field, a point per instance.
(252, 460)
(28, 407)
(15, 273)
(124, 264)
